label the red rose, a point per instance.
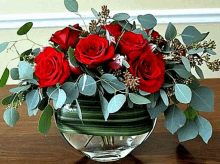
(51, 67)
(150, 68)
(114, 30)
(67, 37)
(76, 70)
(93, 51)
(132, 42)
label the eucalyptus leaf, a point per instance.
(130, 103)
(14, 73)
(121, 16)
(95, 13)
(182, 93)
(125, 63)
(72, 58)
(7, 100)
(20, 89)
(188, 131)
(89, 88)
(78, 109)
(181, 71)
(194, 84)
(3, 46)
(174, 118)
(202, 99)
(153, 97)
(170, 32)
(137, 99)
(25, 28)
(53, 92)
(25, 70)
(192, 51)
(31, 81)
(167, 85)
(125, 25)
(205, 128)
(190, 113)
(11, 116)
(116, 103)
(4, 78)
(199, 72)
(36, 51)
(32, 112)
(44, 123)
(104, 105)
(139, 31)
(71, 5)
(25, 54)
(60, 99)
(71, 91)
(158, 109)
(43, 103)
(32, 99)
(148, 21)
(108, 37)
(210, 51)
(186, 63)
(164, 97)
(143, 93)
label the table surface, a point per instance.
(23, 143)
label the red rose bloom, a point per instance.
(150, 68)
(67, 37)
(93, 51)
(114, 30)
(51, 67)
(76, 70)
(132, 42)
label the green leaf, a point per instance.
(202, 99)
(125, 63)
(125, 25)
(104, 105)
(71, 5)
(143, 93)
(167, 85)
(183, 93)
(188, 131)
(20, 89)
(192, 51)
(108, 37)
(43, 103)
(174, 118)
(181, 71)
(15, 98)
(158, 109)
(170, 32)
(72, 58)
(210, 51)
(153, 97)
(31, 81)
(205, 128)
(25, 28)
(116, 103)
(32, 112)
(71, 91)
(121, 16)
(32, 99)
(148, 21)
(53, 92)
(130, 103)
(199, 72)
(186, 63)
(60, 99)
(110, 83)
(139, 31)
(3, 46)
(89, 87)
(194, 84)
(14, 73)
(36, 51)
(78, 110)
(44, 123)
(137, 99)
(25, 54)
(164, 97)
(190, 113)
(95, 13)
(11, 116)
(25, 70)
(4, 78)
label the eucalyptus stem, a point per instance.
(171, 76)
(82, 20)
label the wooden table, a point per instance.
(23, 143)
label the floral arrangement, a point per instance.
(119, 62)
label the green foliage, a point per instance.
(87, 85)
(153, 97)
(12, 98)
(194, 84)
(3, 46)
(71, 91)
(190, 113)
(72, 58)
(164, 97)
(186, 63)
(170, 32)
(148, 21)
(78, 109)
(125, 63)
(43, 103)
(174, 118)
(44, 123)
(125, 25)
(31, 81)
(199, 72)
(210, 51)
(192, 51)
(121, 16)
(181, 71)
(61, 98)
(4, 78)
(143, 93)
(202, 99)
(158, 109)
(14, 73)
(25, 54)
(108, 37)
(32, 99)
(95, 13)
(11, 116)
(139, 31)
(53, 92)
(20, 89)
(188, 131)
(25, 70)
(116, 103)
(71, 5)
(36, 51)
(183, 93)
(205, 128)
(104, 105)
(25, 28)
(137, 99)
